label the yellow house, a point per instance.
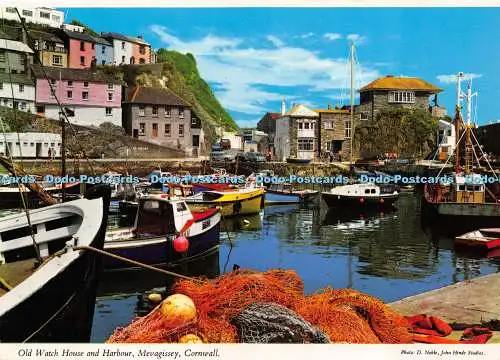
(50, 48)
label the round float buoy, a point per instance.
(361, 200)
(154, 298)
(181, 244)
(381, 201)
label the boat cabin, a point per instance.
(364, 190)
(159, 216)
(469, 189)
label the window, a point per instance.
(40, 109)
(306, 144)
(155, 110)
(111, 86)
(70, 83)
(103, 50)
(44, 15)
(85, 95)
(28, 13)
(181, 113)
(21, 88)
(363, 117)
(22, 106)
(82, 45)
(82, 60)
(109, 111)
(123, 59)
(2, 70)
(347, 129)
(69, 94)
(57, 60)
(56, 18)
(142, 110)
(181, 130)
(329, 125)
(155, 130)
(93, 46)
(142, 61)
(142, 128)
(32, 144)
(167, 112)
(53, 82)
(1, 86)
(10, 10)
(194, 121)
(14, 71)
(402, 97)
(103, 62)
(168, 129)
(306, 126)
(110, 96)
(142, 50)
(85, 84)
(123, 48)
(2, 56)
(301, 125)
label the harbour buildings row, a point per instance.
(74, 69)
(304, 133)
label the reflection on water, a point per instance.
(390, 255)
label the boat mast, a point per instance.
(352, 102)
(458, 121)
(468, 138)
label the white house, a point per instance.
(38, 15)
(30, 145)
(296, 134)
(19, 87)
(122, 48)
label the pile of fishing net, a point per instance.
(265, 307)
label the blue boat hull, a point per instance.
(278, 197)
(163, 252)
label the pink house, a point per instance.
(81, 49)
(94, 96)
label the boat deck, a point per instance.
(15, 273)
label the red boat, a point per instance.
(482, 239)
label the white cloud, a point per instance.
(247, 77)
(356, 38)
(332, 36)
(452, 78)
(275, 41)
(306, 35)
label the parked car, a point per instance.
(251, 156)
(221, 156)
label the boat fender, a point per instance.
(361, 200)
(381, 201)
(181, 244)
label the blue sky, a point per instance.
(254, 57)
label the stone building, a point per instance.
(267, 124)
(334, 131)
(158, 116)
(296, 134)
(395, 92)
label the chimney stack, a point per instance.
(329, 106)
(283, 107)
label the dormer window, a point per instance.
(402, 97)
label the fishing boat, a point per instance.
(465, 194)
(406, 188)
(360, 195)
(482, 239)
(39, 303)
(243, 201)
(166, 232)
(285, 194)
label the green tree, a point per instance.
(86, 28)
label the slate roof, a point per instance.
(102, 41)
(117, 36)
(91, 75)
(6, 79)
(401, 83)
(79, 36)
(153, 96)
(15, 46)
(46, 36)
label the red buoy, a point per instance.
(361, 200)
(181, 244)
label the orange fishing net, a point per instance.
(344, 315)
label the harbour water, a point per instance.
(391, 256)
